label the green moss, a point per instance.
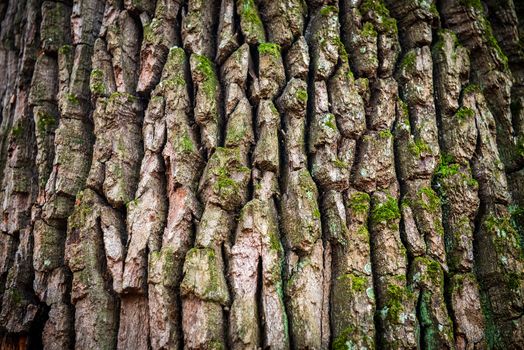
(356, 283)
(236, 132)
(368, 30)
(17, 130)
(394, 298)
(340, 164)
(210, 83)
(150, 30)
(302, 95)
(434, 270)
(329, 121)
(445, 168)
(274, 242)
(363, 231)
(97, 74)
(428, 200)
(45, 122)
(433, 10)
(498, 225)
(316, 213)
(471, 88)
(418, 147)
(493, 336)
(390, 25)
(327, 10)
(121, 95)
(514, 281)
(504, 232)
(65, 49)
(157, 99)
(133, 203)
(472, 182)
(73, 99)
(224, 184)
(516, 213)
(216, 345)
(359, 202)
(341, 49)
(173, 83)
(169, 265)
(148, 33)
(175, 67)
(404, 109)
(343, 340)
(476, 4)
(97, 82)
(425, 316)
(351, 76)
(379, 8)
(409, 60)
(464, 113)
(444, 171)
(186, 144)
(176, 56)
(16, 296)
(269, 49)
(81, 212)
(385, 134)
(492, 42)
(387, 212)
(79, 197)
(250, 19)
(274, 109)
(441, 33)
(308, 185)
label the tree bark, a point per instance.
(277, 174)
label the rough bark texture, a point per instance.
(248, 174)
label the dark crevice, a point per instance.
(422, 328)
(259, 302)
(37, 327)
(225, 311)
(375, 278)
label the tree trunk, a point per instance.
(276, 174)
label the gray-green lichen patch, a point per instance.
(325, 43)
(301, 222)
(284, 20)
(203, 276)
(97, 83)
(266, 155)
(54, 26)
(207, 90)
(374, 164)
(239, 129)
(250, 22)
(225, 179)
(94, 300)
(437, 328)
